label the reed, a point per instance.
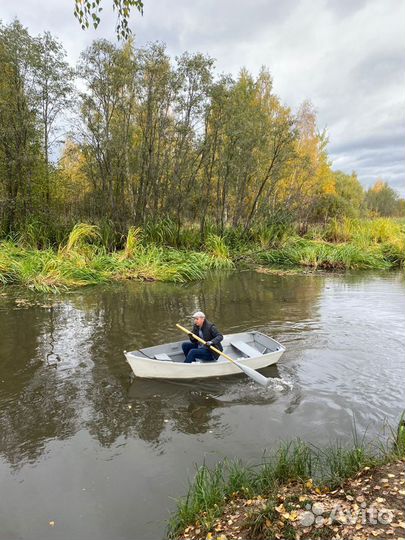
(84, 259)
(218, 252)
(132, 243)
(79, 236)
(322, 255)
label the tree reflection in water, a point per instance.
(85, 386)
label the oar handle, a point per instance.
(204, 342)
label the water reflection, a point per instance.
(63, 368)
(63, 378)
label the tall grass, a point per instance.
(165, 232)
(84, 257)
(296, 461)
(80, 235)
(315, 254)
(83, 260)
(362, 231)
(218, 252)
(132, 243)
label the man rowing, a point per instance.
(206, 330)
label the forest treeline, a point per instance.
(141, 137)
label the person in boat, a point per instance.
(194, 350)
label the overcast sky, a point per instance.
(346, 56)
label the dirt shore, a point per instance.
(370, 505)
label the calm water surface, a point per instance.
(103, 458)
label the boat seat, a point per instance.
(243, 347)
(163, 357)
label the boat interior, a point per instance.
(237, 346)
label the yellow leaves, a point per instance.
(293, 516)
(378, 186)
(284, 514)
(309, 484)
(329, 187)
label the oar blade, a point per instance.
(253, 374)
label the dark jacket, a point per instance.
(210, 333)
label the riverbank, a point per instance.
(300, 492)
(83, 259)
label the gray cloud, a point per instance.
(345, 56)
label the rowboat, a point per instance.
(253, 349)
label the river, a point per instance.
(87, 454)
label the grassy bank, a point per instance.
(160, 253)
(264, 501)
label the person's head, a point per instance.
(199, 318)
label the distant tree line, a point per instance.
(145, 138)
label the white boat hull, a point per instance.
(146, 367)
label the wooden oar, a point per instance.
(253, 374)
